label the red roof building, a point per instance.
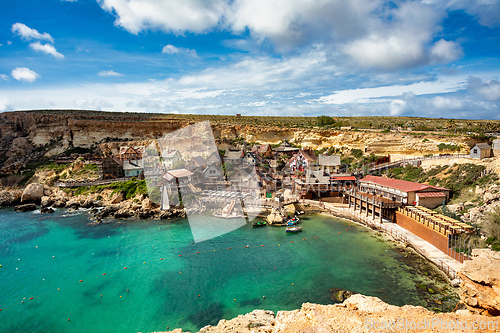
(404, 191)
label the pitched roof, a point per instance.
(179, 173)
(198, 160)
(343, 178)
(256, 156)
(431, 194)
(286, 146)
(329, 160)
(233, 155)
(309, 155)
(398, 184)
(483, 145)
(169, 153)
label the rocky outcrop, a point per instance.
(57, 131)
(358, 313)
(274, 217)
(25, 207)
(33, 193)
(10, 197)
(480, 290)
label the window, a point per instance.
(475, 151)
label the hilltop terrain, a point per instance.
(27, 136)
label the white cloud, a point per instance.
(170, 49)
(446, 51)
(27, 33)
(364, 95)
(397, 107)
(445, 103)
(109, 73)
(94, 104)
(4, 104)
(46, 48)
(4, 77)
(24, 74)
(167, 15)
(387, 52)
(490, 89)
(397, 42)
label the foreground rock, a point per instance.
(480, 290)
(10, 197)
(356, 314)
(33, 193)
(26, 207)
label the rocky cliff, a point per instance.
(356, 314)
(53, 132)
(480, 290)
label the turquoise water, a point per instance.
(45, 257)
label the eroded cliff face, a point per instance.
(480, 290)
(356, 314)
(55, 132)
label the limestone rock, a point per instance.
(457, 208)
(480, 289)
(46, 201)
(274, 217)
(147, 204)
(45, 210)
(32, 193)
(20, 148)
(10, 197)
(26, 207)
(117, 198)
(124, 213)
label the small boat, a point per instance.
(259, 224)
(291, 223)
(294, 219)
(294, 229)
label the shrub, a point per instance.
(356, 152)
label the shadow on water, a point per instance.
(251, 302)
(41, 230)
(207, 316)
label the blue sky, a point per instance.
(430, 58)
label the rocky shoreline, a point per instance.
(102, 205)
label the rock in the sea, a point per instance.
(480, 289)
(274, 217)
(340, 295)
(45, 210)
(46, 201)
(124, 213)
(25, 207)
(32, 193)
(10, 197)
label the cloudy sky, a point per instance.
(431, 58)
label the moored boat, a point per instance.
(259, 224)
(294, 229)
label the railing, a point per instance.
(374, 201)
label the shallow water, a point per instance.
(45, 257)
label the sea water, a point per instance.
(145, 275)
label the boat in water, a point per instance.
(294, 229)
(292, 221)
(259, 223)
